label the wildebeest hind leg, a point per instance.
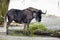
(8, 23)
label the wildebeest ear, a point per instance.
(45, 11)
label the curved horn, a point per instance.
(46, 11)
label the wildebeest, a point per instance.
(22, 16)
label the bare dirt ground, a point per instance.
(4, 37)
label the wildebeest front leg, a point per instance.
(28, 32)
(24, 26)
(27, 26)
(24, 32)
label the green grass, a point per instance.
(36, 26)
(33, 27)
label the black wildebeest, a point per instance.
(22, 16)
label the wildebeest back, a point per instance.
(18, 16)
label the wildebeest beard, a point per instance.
(39, 15)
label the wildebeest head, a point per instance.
(38, 15)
